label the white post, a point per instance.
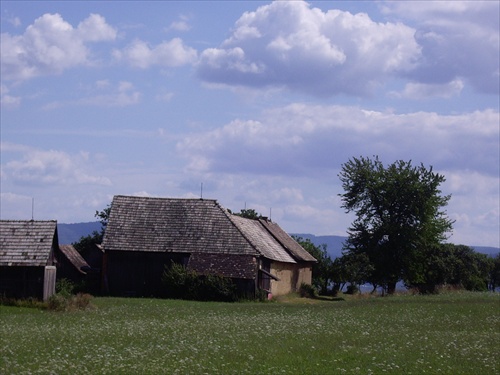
(49, 282)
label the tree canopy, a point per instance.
(399, 214)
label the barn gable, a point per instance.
(27, 263)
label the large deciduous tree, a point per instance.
(399, 214)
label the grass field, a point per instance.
(456, 333)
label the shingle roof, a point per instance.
(176, 225)
(235, 266)
(288, 242)
(74, 257)
(260, 238)
(26, 242)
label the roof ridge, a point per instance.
(28, 221)
(165, 198)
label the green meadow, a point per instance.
(451, 333)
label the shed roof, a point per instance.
(288, 242)
(260, 238)
(74, 257)
(27, 242)
(172, 225)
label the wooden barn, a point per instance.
(145, 234)
(27, 258)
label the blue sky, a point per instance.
(261, 102)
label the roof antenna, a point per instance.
(201, 191)
(270, 214)
(32, 209)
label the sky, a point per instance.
(255, 104)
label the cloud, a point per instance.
(314, 140)
(8, 101)
(289, 44)
(14, 21)
(121, 96)
(429, 91)
(475, 206)
(164, 97)
(48, 167)
(104, 94)
(50, 45)
(288, 159)
(140, 54)
(459, 40)
(181, 24)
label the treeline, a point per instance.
(445, 265)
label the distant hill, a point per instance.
(487, 250)
(333, 243)
(70, 233)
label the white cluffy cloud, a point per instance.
(289, 44)
(8, 101)
(50, 45)
(302, 139)
(459, 39)
(104, 94)
(171, 53)
(432, 90)
(48, 167)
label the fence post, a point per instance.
(49, 282)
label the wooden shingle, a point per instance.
(292, 246)
(260, 238)
(172, 225)
(74, 258)
(27, 242)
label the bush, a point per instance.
(57, 302)
(180, 283)
(29, 302)
(63, 302)
(352, 289)
(262, 295)
(307, 291)
(65, 287)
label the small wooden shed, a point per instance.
(283, 265)
(71, 265)
(145, 234)
(27, 258)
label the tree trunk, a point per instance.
(391, 287)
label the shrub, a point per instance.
(65, 287)
(82, 301)
(28, 302)
(62, 302)
(307, 291)
(181, 283)
(352, 289)
(57, 302)
(262, 295)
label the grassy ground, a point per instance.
(456, 333)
